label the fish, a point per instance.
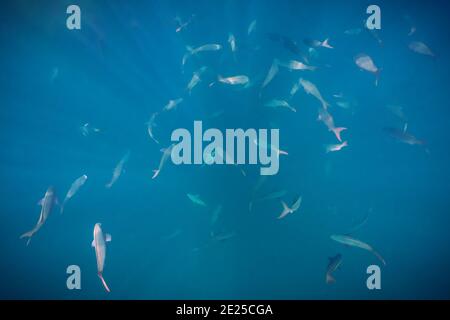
(195, 198)
(421, 48)
(235, 80)
(328, 120)
(172, 104)
(118, 170)
(195, 79)
(150, 125)
(364, 62)
(47, 203)
(352, 242)
(232, 42)
(412, 31)
(99, 245)
(86, 129)
(183, 25)
(54, 75)
(294, 89)
(251, 27)
(345, 103)
(271, 196)
(336, 147)
(333, 264)
(316, 43)
(193, 51)
(297, 65)
(77, 184)
(271, 74)
(223, 236)
(311, 89)
(403, 136)
(287, 210)
(166, 154)
(216, 214)
(275, 103)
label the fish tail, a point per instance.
(326, 44)
(337, 132)
(330, 279)
(379, 257)
(62, 207)
(155, 173)
(104, 282)
(285, 211)
(28, 235)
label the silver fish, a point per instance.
(275, 103)
(335, 147)
(172, 104)
(99, 244)
(195, 198)
(166, 154)
(150, 125)
(232, 42)
(349, 241)
(77, 184)
(297, 65)
(420, 48)
(193, 51)
(251, 27)
(118, 169)
(328, 120)
(366, 63)
(271, 74)
(287, 210)
(46, 204)
(311, 89)
(195, 79)
(235, 80)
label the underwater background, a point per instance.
(125, 64)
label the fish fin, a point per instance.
(108, 237)
(28, 235)
(330, 279)
(283, 152)
(155, 173)
(326, 44)
(337, 132)
(103, 282)
(163, 149)
(93, 244)
(285, 211)
(189, 49)
(40, 202)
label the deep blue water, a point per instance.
(125, 64)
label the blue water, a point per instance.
(125, 64)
